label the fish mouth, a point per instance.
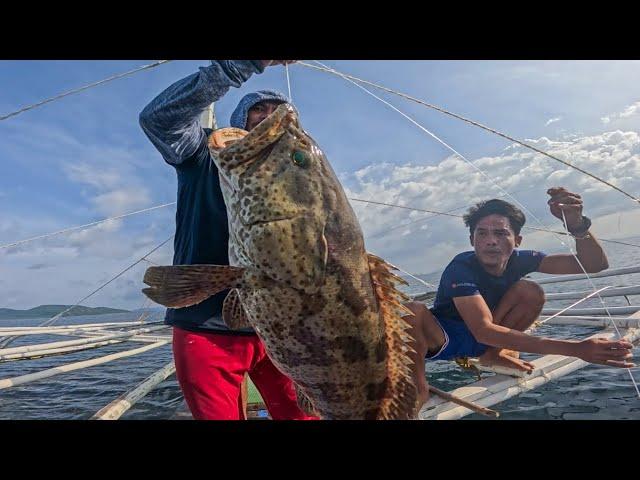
(267, 221)
(268, 130)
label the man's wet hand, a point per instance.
(570, 203)
(268, 63)
(604, 352)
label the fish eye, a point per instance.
(300, 158)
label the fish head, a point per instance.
(274, 181)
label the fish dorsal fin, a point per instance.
(233, 312)
(180, 286)
(399, 402)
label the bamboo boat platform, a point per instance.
(497, 386)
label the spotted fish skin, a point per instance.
(327, 312)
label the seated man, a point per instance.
(482, 306)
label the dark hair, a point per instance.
(494, 207)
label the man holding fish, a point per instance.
(212, 359)
(327, 312)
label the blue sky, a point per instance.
(84, 158)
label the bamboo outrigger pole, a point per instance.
(464, 403)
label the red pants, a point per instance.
(211, 367)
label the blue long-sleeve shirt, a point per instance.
(171, 121)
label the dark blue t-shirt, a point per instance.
(464, 277)
(171, 122)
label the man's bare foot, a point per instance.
(421, 399)
(505, 358)
(423, 394)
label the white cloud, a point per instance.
(629, 111)
(552, 120)
(614, 156)
(100, 178)
(64, 269)
(118, 202)
(113, 191)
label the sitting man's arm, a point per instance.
(476, 314)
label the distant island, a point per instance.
(51, 310)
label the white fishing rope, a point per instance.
(472, 122)
(286, 69)
(542, 322)
(86, 225)
(86, 87)
(450, 148)
(434, 213)
(414, 277)
(454, 151)
(423, 220)
(481, 172)
(602, 302)
(427, 284)
(449, 214)
(53, 319)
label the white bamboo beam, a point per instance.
(65, 332)
(622, 322)
(70, 343)
(139, 338)
(56, 351)
(607, 273)
(498, 388)
(120, 405)
(594, 311)
(32, 377)
(72, 327)
(613, 292)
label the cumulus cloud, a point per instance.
(120, 201)
(99, 178)
(418, 242)
(111, 191)
(629, 111)
(427, 245)
(63, 270)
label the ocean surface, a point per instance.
(591, 393)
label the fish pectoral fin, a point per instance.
(180, 286)
(304, 403)
(233, 312)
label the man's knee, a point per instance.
(417, 319)
(417, 308)
(529, 292)
(417, 323)
(426, 331)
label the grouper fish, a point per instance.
(328, 312)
